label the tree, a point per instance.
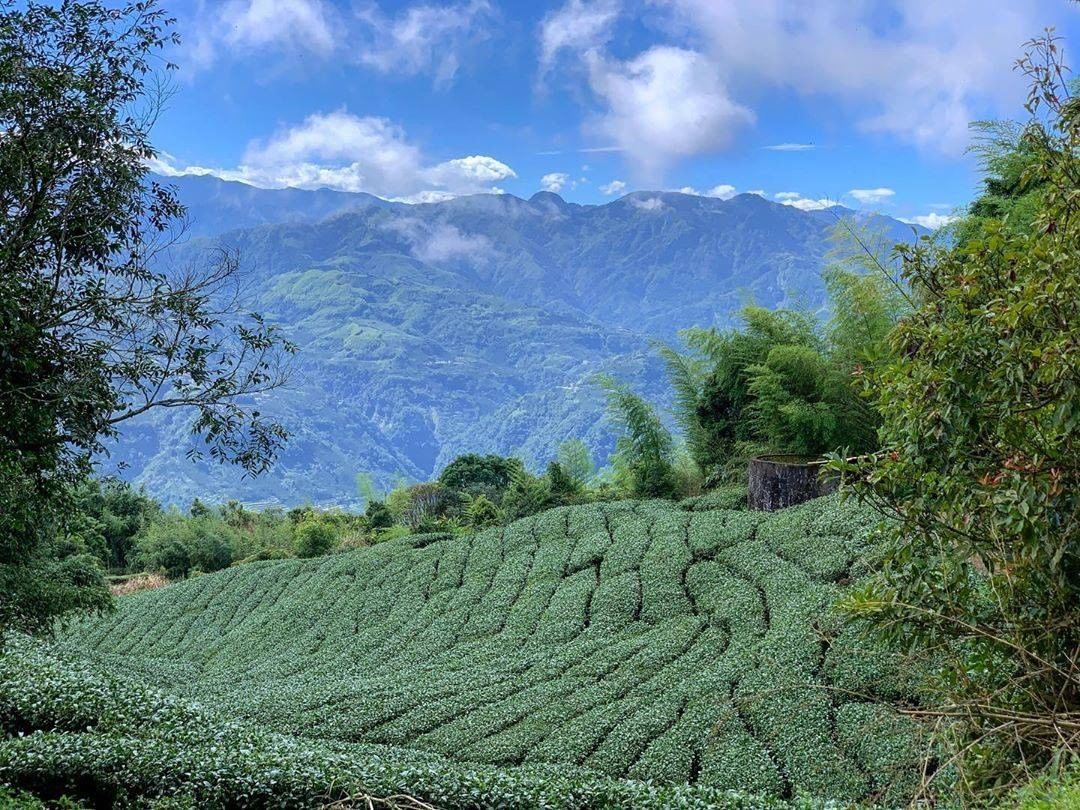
(712, 381)
(1012, 188)
(564, 488)
(645, 450)
(527, 495)
(314, 538)
(114, 511)
(95, 327)
(780, 381)
(474, 474)
(979, 468)
(428, 504)
(576, 461)
(378, 515)
(793, 407)
(481, 513)
(179, 544)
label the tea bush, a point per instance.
(72, 727)
(630, 640)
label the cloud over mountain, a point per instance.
(346, 152)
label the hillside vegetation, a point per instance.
(656, 641)
(471, 325)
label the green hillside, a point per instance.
(472, 325)
(671, 643)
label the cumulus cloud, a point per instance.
(665, 104)
(480, 171)
(614, 187)
(422, 38)
(722, 191)
(555, 182)
(871, 196)
(922, 78)
(579, 26)
(350, 153)
(796, 200)
(933, 220)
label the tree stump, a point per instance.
(777, 482)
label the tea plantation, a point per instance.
(622, 654)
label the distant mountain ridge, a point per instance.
(477, 323)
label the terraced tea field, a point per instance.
(638, 640)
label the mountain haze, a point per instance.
(476, 323)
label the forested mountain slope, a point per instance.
(673, 643)
(472, 324)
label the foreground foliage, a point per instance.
(91, 335)
(980, 465)
(74, 729)
(634, 639)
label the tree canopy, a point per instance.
(96, 326)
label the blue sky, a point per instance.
(865, 102)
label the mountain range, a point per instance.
(474, 324)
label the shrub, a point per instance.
(481, 513)
(314, 538)
(177, 545)
(635, 638)
(378, 515)
(980, 464)
(476, 475)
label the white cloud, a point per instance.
(439, 243)
(422, 38)
(758, 191)
(255, 27)
(918, 71)
(667, 103)
(871, 196)
(163, 164)
(350, 153)
(722, 191)
(933, 221)
(614, 187)
(580, 25)
(555, 182)
(921, 78)
(302, 24)
(475, 170)
(796, 200)
(648, 204)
